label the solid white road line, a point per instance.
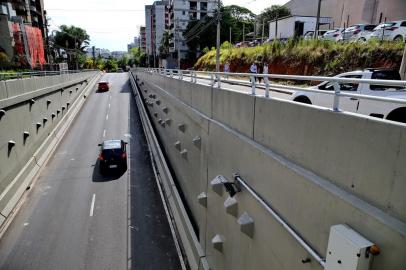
(104, 133)
(109, 105)
(107, 117)
(92, 205)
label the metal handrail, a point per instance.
(281, 221)
(218, 77)
(22, 75)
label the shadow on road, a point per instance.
(108, 176)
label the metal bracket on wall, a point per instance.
(202, 199)
(2, 113)
(246, 224)
(182, 127)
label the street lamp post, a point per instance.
(218, 37)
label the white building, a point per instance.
(294, 26)
(148, 29)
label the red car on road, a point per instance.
(103, 86)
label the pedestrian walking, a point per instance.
(226, 69)
(260, 71)
(254, 69)
(265, 70)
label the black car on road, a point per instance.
(113, 156)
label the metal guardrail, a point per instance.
(22, 75)
(219, 77)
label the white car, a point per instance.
(334, 35)
(386, 110)
(358, 32)
(390, 31)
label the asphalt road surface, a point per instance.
(74, 218)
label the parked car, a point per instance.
(387, 110)
(390, 31)
(113, 155)
(103, 86)
(358, 32)
(120, 70)
(309, 34)
(334, 34)
(242, 44)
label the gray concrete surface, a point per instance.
(33, 108)
(55, 227)
(317, 168)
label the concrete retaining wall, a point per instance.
(32, 112)
(316, 167)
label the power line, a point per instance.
(96, 10)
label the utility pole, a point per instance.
(243, 32)
(263, 30)
(177, 34)
(316, 31)
(230, 34)
(218, 37)
(276, 25)
(402, 70)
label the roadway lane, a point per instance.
(74, 218)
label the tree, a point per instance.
(111, 65)
(270, 14)
(138, 57)
(164, 47)
(201, 34)
(74, 41)
(123, 62)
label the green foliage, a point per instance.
(74, 41)
(311, 57)
(111, 65)
(89, 63)
(123, 62)
(164, 47)
(4, 61)
(235, 17)
(138, 57)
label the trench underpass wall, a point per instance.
(316, 167)
(31, 111)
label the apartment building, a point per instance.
(181, 13)
(156, 23)
(143, 39)
(21, 22)
(348, 12)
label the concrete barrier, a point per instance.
(33, 118)
(316, 167)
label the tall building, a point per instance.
(23, 31)
(156, 23)
(348, 12)
(143, 39)
(181, 13)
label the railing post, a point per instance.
(218, 78)
(171, 73)
(336, 103)
(253, 85)
(266, 80)
(211, 79)
(194, 77)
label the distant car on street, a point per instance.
(103, 86)
(386, 110)
(120, 70)
(358, 32)
(390, 31)
(113, 156)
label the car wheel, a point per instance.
(362, 40)
(398, 115)
(398, 38)
(302, 99)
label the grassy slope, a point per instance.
(308, 57)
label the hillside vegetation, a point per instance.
(307, 57)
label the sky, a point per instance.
(114, 24)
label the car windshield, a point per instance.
(352, 28)
(382, 25)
